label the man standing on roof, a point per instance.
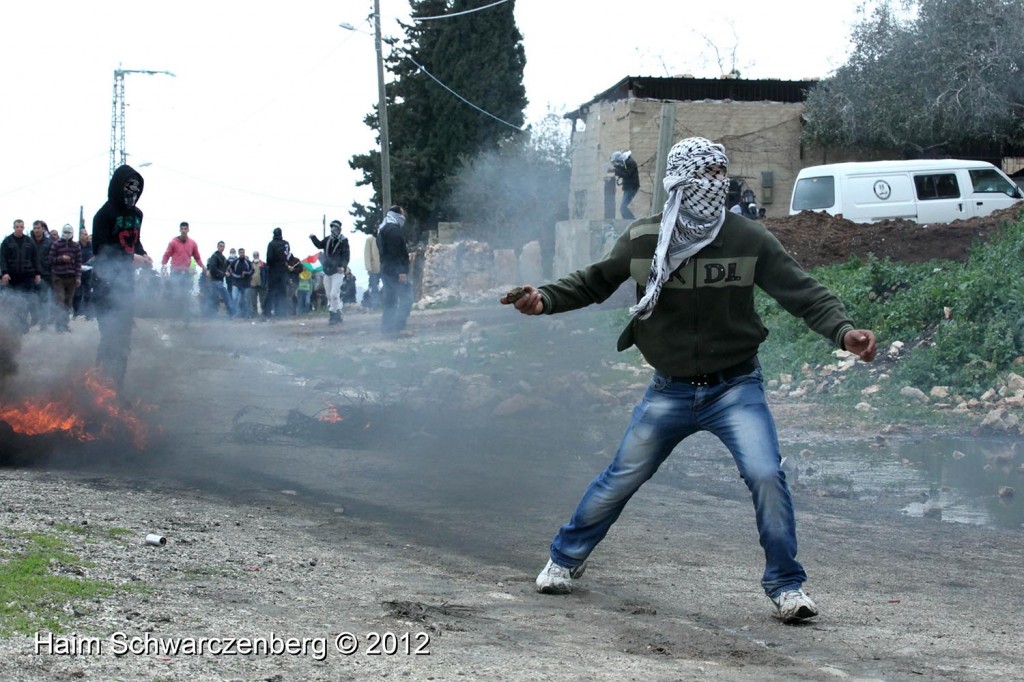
(628, 175)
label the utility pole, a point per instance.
(118, 154)
(382, 116)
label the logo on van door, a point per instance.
(882, 190)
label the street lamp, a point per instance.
(382, 112)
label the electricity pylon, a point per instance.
(118, 154)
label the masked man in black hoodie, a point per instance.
(117, 254)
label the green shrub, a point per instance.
(978, 341)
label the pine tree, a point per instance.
(432, 132)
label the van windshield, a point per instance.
(814, 193)
(990, 180)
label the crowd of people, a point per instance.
(47, 278)
(46, 275)
(232, 283)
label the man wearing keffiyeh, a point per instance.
(695, 267)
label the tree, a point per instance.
(926, 74)
(516, 193)
(479, 56)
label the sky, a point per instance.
(265, 107)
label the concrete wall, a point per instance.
(579, 243)
(758, 137)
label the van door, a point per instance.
(940, 198)
(878, 196)
(991, 191)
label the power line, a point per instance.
(482, 111)
(458, 14)
(437, 80)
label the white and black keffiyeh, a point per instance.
(696, 183)
(393, 217)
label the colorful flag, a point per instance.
(312, 263)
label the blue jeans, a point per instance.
(396, 302)
(219, 294)
(241, 301)
(735, 411)
(627, 198)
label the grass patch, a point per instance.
(32, 595)
(962, 323)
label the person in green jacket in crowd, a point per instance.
(695, 267)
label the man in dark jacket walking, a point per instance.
(217, 269)
(278, 253)
(83, 295)
(118, 252)
(41, 310)
(396, 296)
(66, 262)
(240, 273)
(19, 272)
(695, 323)
(334, 257)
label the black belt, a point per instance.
(715, 378)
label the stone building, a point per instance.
(758, 121)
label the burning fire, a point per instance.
(99, 417)
(330, 414)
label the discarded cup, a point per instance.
(154, 539)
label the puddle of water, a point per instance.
(959, 480)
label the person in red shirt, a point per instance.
(177, 263)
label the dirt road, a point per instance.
(429, 522)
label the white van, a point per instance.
(926, 190)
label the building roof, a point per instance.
(696, 89)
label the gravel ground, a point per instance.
(288, 543)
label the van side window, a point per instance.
(988, 180)
(937, 186)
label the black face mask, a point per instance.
(131, 192)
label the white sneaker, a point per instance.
(555, 579)
(794, 606)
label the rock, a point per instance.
(989, 395)
(1006, 492)
(786, 379)
(999, 419)
(1014, 382)
(939, 392)
(914, 394)
(895, 348)
(870, 390)
(863, 407)
(515, 404)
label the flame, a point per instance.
(106, 403)
(330, 414)
(102, 416)
(37, 416)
